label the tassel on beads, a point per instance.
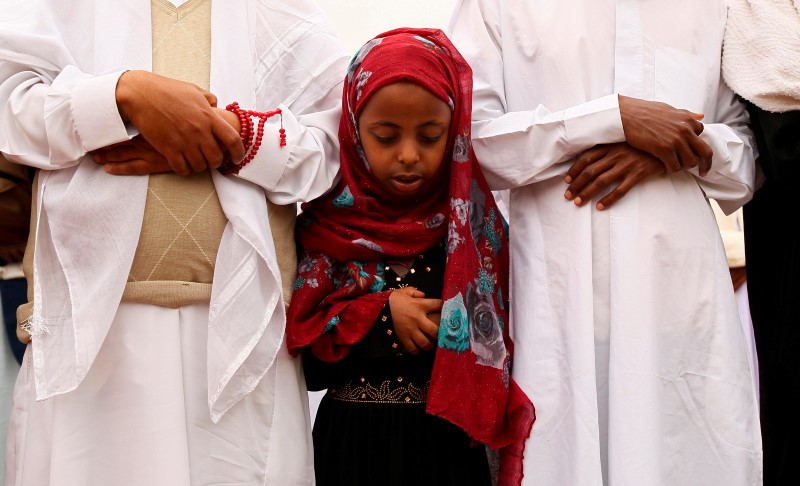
(251, 140)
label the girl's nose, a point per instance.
(408, 154)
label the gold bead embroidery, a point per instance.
(384, 318)
(389, 332)
(386, 392)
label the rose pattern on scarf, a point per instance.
(454, 325)
(331, 324)
(486, 281)
(461, 208)
(507, 369)
(367, 276)
(359, 57)
(454, 239)
(361, 81)
(485, 328)
(435, 221)
(363, 157)
(307, 266)
(461, 149)
(426, 41)
(368, 244)
(345, 199)
(476, 212)
(493, 238)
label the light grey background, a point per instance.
(357, 21)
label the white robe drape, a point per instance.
(58, 72)
(59, 65)
(627, 335)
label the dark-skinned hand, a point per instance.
(179, 120)
(738, 277)
(137, 156)
(604, 166)
(669, 134)
(415, 319)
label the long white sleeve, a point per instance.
(517, 148)
(309, 164)
(50, 123)
(731, 180)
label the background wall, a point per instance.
(357, 21)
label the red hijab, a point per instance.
(349, 234)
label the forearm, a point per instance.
(520, 148)
(731, 180)
(51, 123)
(308, 166)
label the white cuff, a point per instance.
(594, 122)
(268, 166)
(94, 108)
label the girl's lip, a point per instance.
(407, 183)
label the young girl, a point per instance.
(400, 302)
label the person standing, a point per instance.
(15, 201)
(761, 62)
(622, 309)
(158, 303)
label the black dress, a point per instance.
(371, 427)
(772, 247)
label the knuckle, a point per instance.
(604, 180)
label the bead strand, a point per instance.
(251, 139)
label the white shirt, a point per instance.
(627, 336)
(58, 73)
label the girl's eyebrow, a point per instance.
(386, 123)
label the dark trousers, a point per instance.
(773, 285)
(13, 294)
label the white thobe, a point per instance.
(626, 330)
(58, 71)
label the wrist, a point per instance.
(231, 119)
(124, 93)
(250, 133)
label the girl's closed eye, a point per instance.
(430, 140)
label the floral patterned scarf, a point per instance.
(347, 235)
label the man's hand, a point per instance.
(412, 323)
(137, 156)
(178, 120)
(133, 157)
(604, 165)
(738, 277)
(668, 134)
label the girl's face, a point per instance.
(403, 130)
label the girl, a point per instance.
(410, 221)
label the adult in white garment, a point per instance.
(627, 334)
(176, 373)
